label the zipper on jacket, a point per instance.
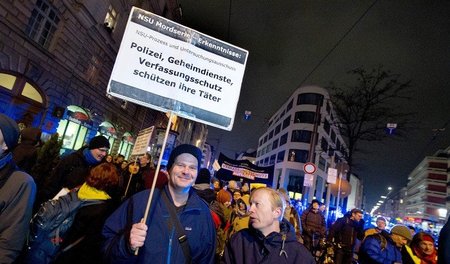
(169, 249)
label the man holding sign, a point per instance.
(179, 228)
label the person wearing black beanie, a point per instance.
(72, 170)
(17, 194)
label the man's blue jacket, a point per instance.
(161, 244)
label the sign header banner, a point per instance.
(169, 67)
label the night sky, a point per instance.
(297, 43)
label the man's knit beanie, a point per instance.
(10, 131)
(99, 142)
(185, 148)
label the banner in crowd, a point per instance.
(243, 170)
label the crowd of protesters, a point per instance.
(192, 216)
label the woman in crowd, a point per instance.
(422, 250)
(84, 236)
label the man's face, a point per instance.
(357, 217)
(119, 160)
(427, 247)
(183, 173)
(381, 224)
(99, 153)
(3, 146)
(262, 215)
(399, 240)
(144, 160)
(315, 207)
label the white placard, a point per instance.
(332, 175)
(142, 141)
(169, 67)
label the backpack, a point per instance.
(49, 226)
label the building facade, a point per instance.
(56, 58)
(302, 131)
(427, 190)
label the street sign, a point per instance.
(308, 180)
(332, 175)
(309, 167)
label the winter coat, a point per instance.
(249, 246)
(25, 154)
(88, 224)
(17, 194)
(345, 232)
(161, 244)
(372, 251)
(70, 172)
(313, 222)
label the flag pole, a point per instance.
(149, 201)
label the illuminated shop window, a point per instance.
(74, 128)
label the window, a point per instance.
(283, 139)
(271, 134)
(324, 144)
(333, 136)
(310, 98)
(289, 106)
(277, 129)
(322, 164)
(280, 156)
(282, 113)
(326, 126)
(110, 19)
(301, 136)
(265, 139)
(19, 85)
(260, 142)
(286, 122)
(275, 144)
(272, 159)
(93, 70)
(43, 23)
(298, 155)
(304, 117)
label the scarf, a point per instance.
(425, 259)
(89, 158)
(87, 192)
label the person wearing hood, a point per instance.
(25, 154)
(17, 194)
(73, 169)
(270, 238)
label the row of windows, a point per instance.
(302, 99)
